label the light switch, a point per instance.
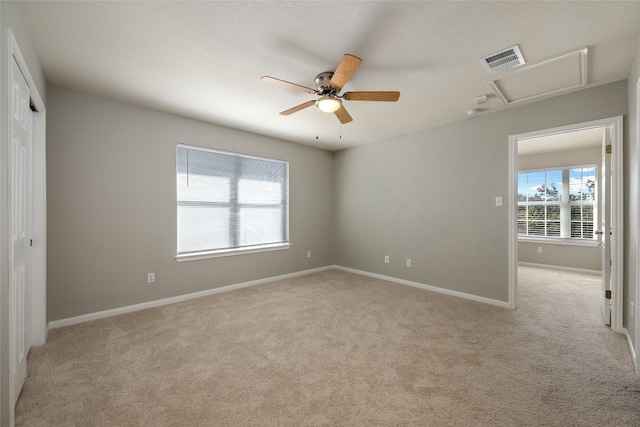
(498, 201)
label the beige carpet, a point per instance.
(339, 349)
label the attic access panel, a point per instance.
(542, 79)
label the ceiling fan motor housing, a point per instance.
(323, 81)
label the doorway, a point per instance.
(611, 130)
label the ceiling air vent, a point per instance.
(503, 60)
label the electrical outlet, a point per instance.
(408, 263)
(386, 259)
(539, 249)
(151, 277)
(308, 254)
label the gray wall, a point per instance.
(582, 257)
(430, 196)
(112, 211)
(631, 202)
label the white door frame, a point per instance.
(635, 351)
(38, 251)
(3, 265)
(614, 126)
(604, 225)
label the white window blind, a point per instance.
(558, 203)
(228, 201)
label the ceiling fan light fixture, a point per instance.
(329, 104)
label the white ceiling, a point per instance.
(205, 59)
(562, 141)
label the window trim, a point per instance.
(194, 256)
(561, 241)
(232, 251)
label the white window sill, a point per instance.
(560, 241)
(231, 252)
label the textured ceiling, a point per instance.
(561, 142)
(205, 59)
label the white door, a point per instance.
(20, 159)
(605, 226)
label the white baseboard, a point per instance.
(158, 303)
(472, 297)
(559, 267)
(634, 356)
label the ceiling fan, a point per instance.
(328, 86)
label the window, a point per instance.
(557, 203)
(230, 202)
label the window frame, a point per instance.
(571, 241)
(235, 206)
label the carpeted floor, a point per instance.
(339, 349)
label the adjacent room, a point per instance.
(319, 213)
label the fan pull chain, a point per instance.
(317, 125)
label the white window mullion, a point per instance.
(234, 220)
(565, 207)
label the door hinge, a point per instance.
(607, 294)
(609, 149)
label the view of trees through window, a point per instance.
(557, 203)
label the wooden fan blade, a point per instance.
(342, 115)
(288, 84)
(372, 96)
(347, 66)
(298, 108)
